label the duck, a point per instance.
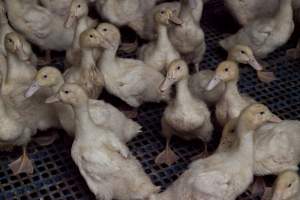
(185, 116)
(78, 14)
(106, 164)
(19, 56)
(269, 160)
(264, 35)
(102, 113)
(14, 132)
(232, 102)
(86, 74)
(126, 12)
(223, 175)
(160, 53)
(39, 25)
(249, 10)
(175, 6)
(287, 186)
(188, 38)
(131, 80)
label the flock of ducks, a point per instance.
(254, 140)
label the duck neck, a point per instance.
(82, 25)
(82, 118)
(2, 106)
(108, 57)
(232, 90)
(13, 6)
(163, 38)
(87, 59)
(14, 67)
(246, 143)
(182, 91)
(285, 10)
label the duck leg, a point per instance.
(22, 165)
(167, 156)
(202, 155)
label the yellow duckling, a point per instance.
(185, 116)
(232, 102)
(160, 53)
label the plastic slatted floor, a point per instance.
(55, 175)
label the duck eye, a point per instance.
(78, 6)
(105, 29)
(178, 67)
(91, 36)
(290, 185)
(162, 12)
(45, 76)
(66, 92)
(262, 113)
(243, 52)
(10, 40)
(226, 69)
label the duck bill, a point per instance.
(255, 64)
(32, 89)
(275, 119)
(70, 21)
(166, 84)
(213, 83)
(175, 19)
(53, 99)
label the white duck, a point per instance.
(287, 186)
(78, 14)
(102, 113)
(223, 175)
(188, 38)
(264, 35)
(232, 102)
(39, 25)
(160, 53)
(13, 132)
(185, 116)
(129, 79)
(105, 163)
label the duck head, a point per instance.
(226, 71)
(286, 186)
(256, 115)
(17, 45)
(46, 77)
(78, 9)
(166, 16)
(244, 55)
(110, 36)
(177, 70)
(71, 94)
